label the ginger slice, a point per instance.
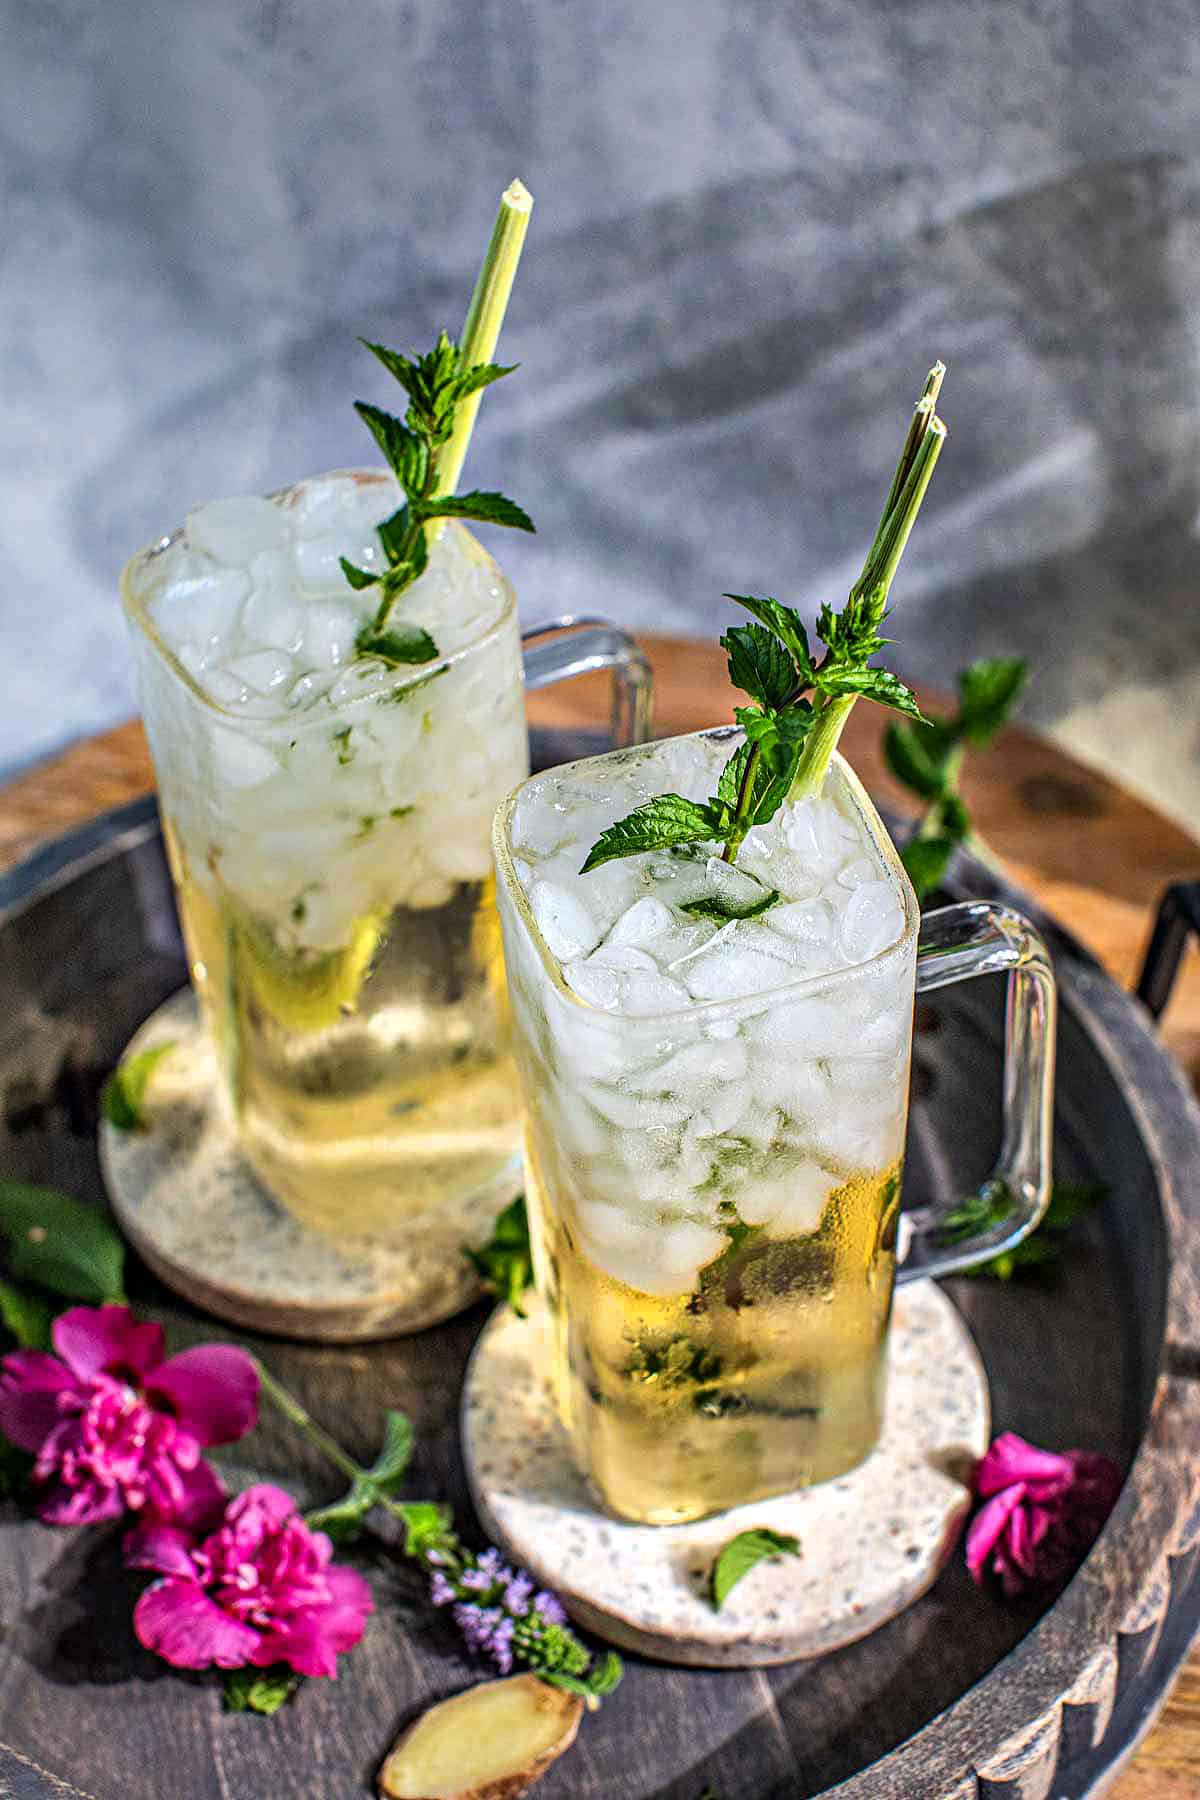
(490, 1743)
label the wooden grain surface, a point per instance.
(1088, 851)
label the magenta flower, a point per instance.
(113, 1426)
(1042, 1512)
(260, 1588)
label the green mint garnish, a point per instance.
(927, 758)
(505, 1263)
(722, 912)
(124, 1093)
(800, 701)
(436, 384)
(344, 1518)
(743, 1553)
(259, 1690)
(1040, 1254)
(342, 739)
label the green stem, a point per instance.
(819, 746)
(485, 315)
(304, 1422)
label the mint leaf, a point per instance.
(730, 783)
(490, 509)
(358, 578)
(1040, 1254)
(259, 1690)
(989, 690)
(399, 645)
(427, 1524)
(872, 684)
(481, 375)
(656, 825)
(598, 1681)
(60, 1244)
(787, 626)
(396, 365)
(505, 1262)
(743, 1553)
(26, 1316)
(343, 1519)
(722, 912)
(124, 1092)
(779, 735)
(912, 756)
(759, 664)
(926, 860)
(389, 433)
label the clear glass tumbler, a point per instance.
(327, 821)
(714, 1182)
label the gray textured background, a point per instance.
(756, 225)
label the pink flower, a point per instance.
(260, 1589)
(113, 1426)
(1042, 1512)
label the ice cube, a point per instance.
(817, 835)
(622, 956)
(807, 922)
(871, 921)
(732, 886)
(597, 985)
(860, 869)
(644, 993)
(811, 1024)
(633, 1112)
(318, 561)
(235, 531)
(678, 1252)
(566, 925)
(644, 920)
(652, 1259)
(202, 609)
(329, 634)
(792, 1204)
(730, 972)
(694, 1067)
(240, 760)
(272, 615)
(266, 671)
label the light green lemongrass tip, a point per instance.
(485, 316)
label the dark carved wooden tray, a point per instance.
(962, 1696)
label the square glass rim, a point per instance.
(140, 568)
(741, 1005)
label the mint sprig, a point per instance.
(1041, 1253)
(800, 702)
(505, 1262)
(927, 758)
(436, 384)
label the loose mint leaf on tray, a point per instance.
(668, 819)
(58, 1243)
(743, 1553)
(123, 1094)
(259, 1690)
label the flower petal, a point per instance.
(345, 1619)
(987, 1528)
(263, 1507)
(177, 1620)
(213, 1391)
(84, 1502)
(30, 1385)
(165, 1548)
(94, 1339)
(1012, 1459)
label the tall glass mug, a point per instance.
(327, 820)
(716, 1120)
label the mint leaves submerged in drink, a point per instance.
(436, 384)
(801, 701)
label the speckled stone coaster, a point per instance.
(872, 1541)
(197, 1214)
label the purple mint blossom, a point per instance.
(517, 1594)
(441, 1591)
(550, 1607)
(488, 1631)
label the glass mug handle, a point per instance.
(581, 643)
(957, 943)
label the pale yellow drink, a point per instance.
(715, 1129)
(327, 820)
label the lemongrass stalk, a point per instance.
(485, 315)
(878, 572)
